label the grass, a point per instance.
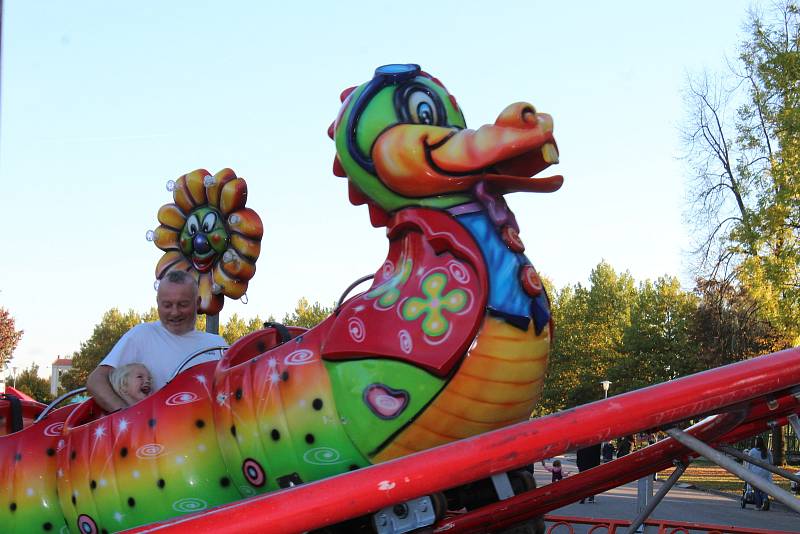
(708, 476)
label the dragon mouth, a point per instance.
(515, 173)
(421, 160)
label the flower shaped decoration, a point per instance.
(435, 324)
(209, 232)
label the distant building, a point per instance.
(61, 365)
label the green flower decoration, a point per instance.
(434, 323)
(389, 291)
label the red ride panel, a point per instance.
(426, 302)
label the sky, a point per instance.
(101, 103)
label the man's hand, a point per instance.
(99, 387)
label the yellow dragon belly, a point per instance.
(498, 384)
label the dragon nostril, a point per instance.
(529, 114)
(200, 243)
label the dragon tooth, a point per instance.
(550, 153)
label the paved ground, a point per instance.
(681, 504)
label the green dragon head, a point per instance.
(402, 141)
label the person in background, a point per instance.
(557, 471)
(624, 446)
(760, 452)
(608, 451)
(587, 458)
(161, 345)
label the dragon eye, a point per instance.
(192, 225)
(421, 107)
(209, 221)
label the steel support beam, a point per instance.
(729, 465)
(680, 467)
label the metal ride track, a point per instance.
(734, 401)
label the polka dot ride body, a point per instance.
(450, 340)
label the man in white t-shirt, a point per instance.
(160, 346)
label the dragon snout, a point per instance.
(523, 116)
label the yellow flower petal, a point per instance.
(195, 183)
(171, 260)
(230, 287)
(209, 302)
(172, 216)
(246, 222)
(182, 196)
(238, 268)
(220, 179)
(245, 247)
(166, 238)
(233, 196)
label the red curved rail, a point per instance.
(336, 499)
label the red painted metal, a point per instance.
(726, 428)
(336, 499)
(30, 409)
(664, 526)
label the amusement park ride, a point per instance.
(410, 400)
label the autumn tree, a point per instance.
(30, 383)
(728, 328)
(743, 140)
(9, 336)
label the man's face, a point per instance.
(177, 306)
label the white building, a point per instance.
(61, 365)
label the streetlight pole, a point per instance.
(606, 384)
(14, 374)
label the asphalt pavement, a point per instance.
(680, 504)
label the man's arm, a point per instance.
(99, 387)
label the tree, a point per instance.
(29, 382)
(728, 328)
(589, 327)
(104, 336)
(307, 315)
(237, 328)
(657, 344)
(743, 141)
(9, 337)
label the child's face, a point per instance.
(138, 386)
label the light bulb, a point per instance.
(150, 235)
(156, 284)
(234, 219)
(171, 185)
(209, 180)
(216, 288)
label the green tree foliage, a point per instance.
(9, 336)
(307, 315)
(236, 328)
(589, 326)
(657, 343)
(29, 382)
(744, 149)
(111, 327)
